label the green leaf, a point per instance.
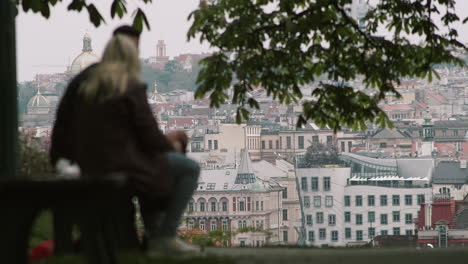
(77, 5)
(139, 19)
(94, 15)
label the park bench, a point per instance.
(101, 209)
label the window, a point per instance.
(263, 144)
(331, 219)
(350, 146)
(370, 200)
(359, 235)
(234, 204)
(215, 144)
(347, 233)
(261, 205)
(347, 217)
(383, 219)
(322, 233)
(371, 232)
(309, 220)
(242, 206)
(396, 231)
(210, 186)
(383, 200)
(288, 142)
(304, 183)
(328, 201)
(311, 236)
(408, 219)
(202, 225)
(191, 224)
(396, 216)
(319, 219)
(334, 235)
(285, 214)
(358, 200)
(190, 206)
(244, 223)
(371, 217)
(455, 132)
(239, 224)
(285, 193)
(347, 200)
(396, 200)
(256, 205)
(317, 201)
(213, 225)
(315, 139)
(420, 199)
(343, 146)
(383, 232)
(358, 219)
(314, 184)
(408, 199)
(409, 232)
(210, 144)
(202, 206)
(270, 144)
(329, 140)
(306, 201)
(383, 145)
(285, 236)
(301, 142)
(224, 225)
(326, 183)
(213, 206)
(224, 206)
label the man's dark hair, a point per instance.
(127, 30)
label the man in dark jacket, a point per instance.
(123, 136)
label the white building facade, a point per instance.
(340, 211)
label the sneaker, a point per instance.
(171, 247)
(182, 244)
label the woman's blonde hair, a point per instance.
(119, 65)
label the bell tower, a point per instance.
(161, 56)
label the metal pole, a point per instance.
(8, 93)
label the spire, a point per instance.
(245, 173)
(87, 43)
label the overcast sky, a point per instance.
(47, 46)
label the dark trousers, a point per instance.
(164, 223)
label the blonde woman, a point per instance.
(105, 125)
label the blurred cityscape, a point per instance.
(405, 185)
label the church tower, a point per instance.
(427, 141)
(161, 57)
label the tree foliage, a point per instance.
(319, 154)
(33, 159)
(117, 8)
(26, 91)
(170, 78)
(282, 45)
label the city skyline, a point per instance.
(57, 45)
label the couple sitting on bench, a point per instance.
(105, 125)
